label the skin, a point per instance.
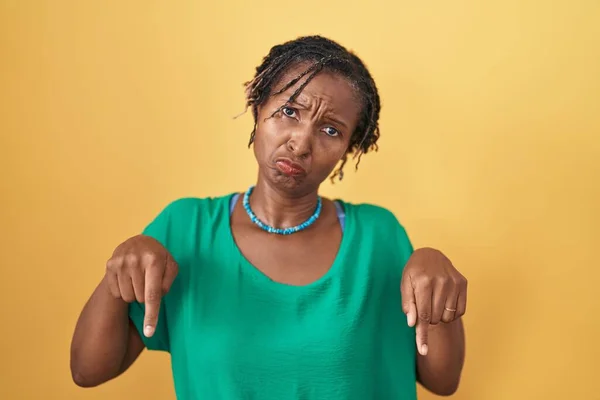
(434, 299)
(105, 342)
(314, 133)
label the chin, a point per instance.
(287, 183)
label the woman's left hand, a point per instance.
(433, 292)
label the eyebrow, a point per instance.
(298, 103)
(328, 115)
(335, 120)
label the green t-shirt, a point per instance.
(235, 334)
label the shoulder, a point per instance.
(186, 214)
(373, 213)
(379, 220)
(186, 207)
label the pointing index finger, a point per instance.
(408, 300)
(423, 295)
(152, 297)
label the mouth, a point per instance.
(288, 167)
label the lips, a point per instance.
(288, 167)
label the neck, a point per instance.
(279, 209)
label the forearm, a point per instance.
(101, 337)
(440, 370)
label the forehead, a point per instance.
(325, 85)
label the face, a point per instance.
(299, 146)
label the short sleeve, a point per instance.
(400, 239)
(159, 230)
(404, 243)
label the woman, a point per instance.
(277, 293)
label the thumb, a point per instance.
(408, 300)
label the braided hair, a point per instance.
(321, 54)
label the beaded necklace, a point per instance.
(279, 231)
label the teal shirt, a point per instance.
(235, 334)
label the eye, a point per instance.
(331, 131)
(289, 112)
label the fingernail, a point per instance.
(148, 330)
(424, 349)
(409, 319)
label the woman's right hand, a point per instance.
(141, 269)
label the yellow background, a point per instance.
(490, 151)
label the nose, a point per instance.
(300, 143)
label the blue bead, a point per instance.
(280, 231)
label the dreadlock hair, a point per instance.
(321, 54)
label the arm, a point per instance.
(105, 342)
(440, 370)
(434, 297)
